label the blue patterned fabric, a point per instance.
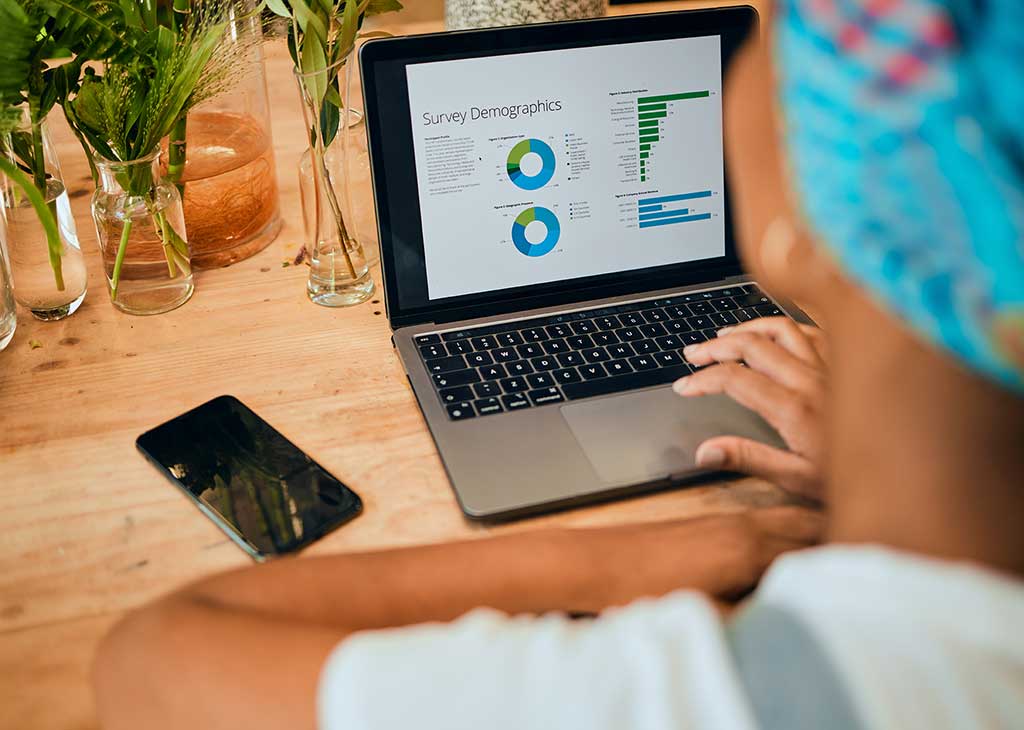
(905, 132)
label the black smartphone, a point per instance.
(261, 489)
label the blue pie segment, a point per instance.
(528, 216)
(547, 159)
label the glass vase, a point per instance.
(51, 287)
(8, 317)
(338, 272)
(229, 180)
(140, 227)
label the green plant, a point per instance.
(36, 33)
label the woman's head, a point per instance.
(879, 140)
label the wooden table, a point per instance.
(89, 529)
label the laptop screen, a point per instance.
(555, 165)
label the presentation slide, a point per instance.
(548, 166)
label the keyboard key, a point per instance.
(669, 342)
(628, 334)
(558, 330)
(631, 381)
(677, 326)
(458, 377)
(723, 319)
(428, 339)
(723, 305)
(539, 380)
(515, 402)
(768, 310)
(505, 354)
(643, 362)
(644, 347)
(583, 327)
(620, 351)
(655, 315)
(569, 359)
(493, 372)
(580, 342)
(566, 375)
(604, 338)
(534, 334)
(545, 362)
(700, 323)
(461, 411)
(459, 347)
(631, 319)
(752, 300)
(446, 364)
(529, 350)
(547, 395)
(678, 311)
(509, 339)
(519, 367)
(483, 343)
(700, 308)
(514, 384)
(591, 372)
(607, 323)
(433, 351)
(456, 395)
(486, 389)
(618, 367)
(479, 358)
(692, 338)
(652, 330)
(745, 315)
(488, 406)
(667, 358)
(596, 354)
(553, 347)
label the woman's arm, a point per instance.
(244, 649)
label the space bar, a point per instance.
(643, 379)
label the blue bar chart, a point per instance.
(666, 210)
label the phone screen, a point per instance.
(269, 496)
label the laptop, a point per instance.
(555, 227)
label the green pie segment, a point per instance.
(514, 164)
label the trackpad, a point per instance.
(645, 436)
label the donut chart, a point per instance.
(515, 156)
(528, 216)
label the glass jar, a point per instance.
(50, 286)
(229, 180)
(8, 317)
(140, 227)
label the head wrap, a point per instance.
(905, 134)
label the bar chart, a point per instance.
(652, 112)
(666, 210)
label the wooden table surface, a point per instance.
(89, 529)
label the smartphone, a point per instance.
(256, 485)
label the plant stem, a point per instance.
(38, 162)
(321, 154)
(46, 217)
(122, 247)
(176, 142)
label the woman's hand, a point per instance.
(784, 383)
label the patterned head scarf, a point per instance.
(905, 132)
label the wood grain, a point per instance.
(89, 529)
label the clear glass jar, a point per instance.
(140, 227)
(8, 317)
(50, 287)
(229, 177)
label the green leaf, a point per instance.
(349, 28)
(378, 7)
(43, 212)
(314, 68)
(279, 8)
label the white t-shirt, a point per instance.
(914, 642)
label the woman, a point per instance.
(903, 234)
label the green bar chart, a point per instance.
(651, 111)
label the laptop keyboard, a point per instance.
(556, 358)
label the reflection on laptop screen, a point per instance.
(547, 166)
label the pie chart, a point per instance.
(547, 164)
(551, 228)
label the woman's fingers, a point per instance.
(792, 472)
(802, 341)
(759, 352)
